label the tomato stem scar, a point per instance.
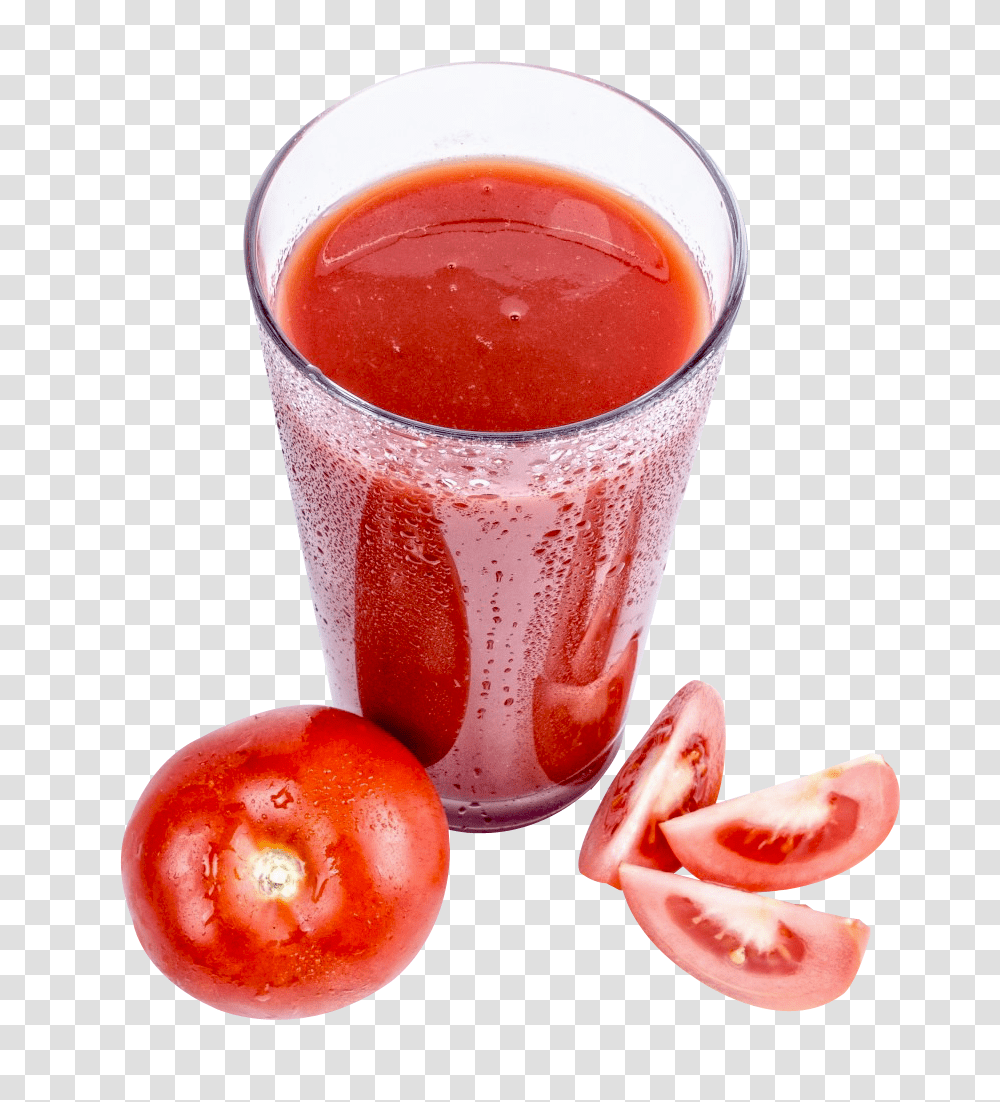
(277, 873)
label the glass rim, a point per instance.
(714, 342)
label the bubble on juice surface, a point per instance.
(513, 307)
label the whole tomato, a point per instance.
(287, 864)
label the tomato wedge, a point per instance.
(761, 951)
(793, 834)
(676, 768)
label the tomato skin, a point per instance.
(287, 864)
(793, 834)
(761, 951)
(676, 768)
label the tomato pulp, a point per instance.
(491, 623)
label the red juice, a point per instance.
(484, 597)
(493, 297)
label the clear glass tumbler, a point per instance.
(485, 596)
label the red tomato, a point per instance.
(287, 864)
(762, 951)
(676, 768)
(796, 833)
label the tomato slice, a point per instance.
(795, 833)
(761, 951)
(676, 768)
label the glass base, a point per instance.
(490, 816)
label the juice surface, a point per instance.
(493, 296)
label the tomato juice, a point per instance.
(493, 297)
(483, 579)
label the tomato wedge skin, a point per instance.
(793, 834)
(676, 768)
(758, 950)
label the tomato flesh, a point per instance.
(793, 834)
(761, 951)
(711, 933)
(287, 864)
(676, 768)
(757, 843)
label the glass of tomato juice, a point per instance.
(493, 301)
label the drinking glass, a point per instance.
(485, 596)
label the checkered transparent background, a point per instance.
(834, 571)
